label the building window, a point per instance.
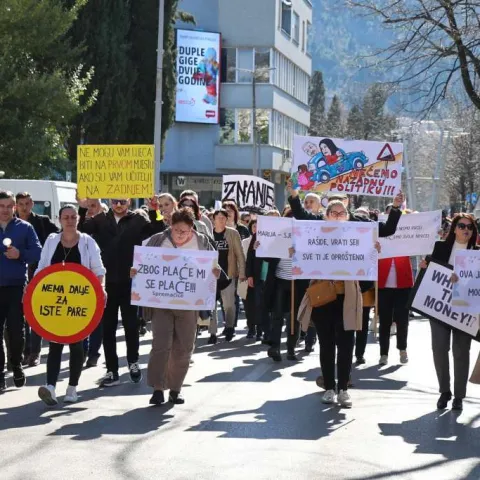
(309, 38)
(228, 64)
(262, 65)
(286, 18)
(263, 123)
(244, 62)
(303, 36)
(296, 28)
(244, 121)
(227, 126)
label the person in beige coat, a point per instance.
(232, 262)
(174, 331)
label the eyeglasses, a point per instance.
(180, 233)
(121, 202)
(463, 226)
(338, 214)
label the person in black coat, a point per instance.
(462, 235)
(116, 233)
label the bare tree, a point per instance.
(436, 46)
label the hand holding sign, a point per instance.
(399, 199)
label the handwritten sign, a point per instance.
(466, 292)
(64, 303)
(433, 298)
(416, 235)
(356, 167)
(248, 191)
(115, 171)
(275, 237)
(174, 278)
(335, 250)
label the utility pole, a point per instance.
(157, 132)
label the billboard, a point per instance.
(198, 77)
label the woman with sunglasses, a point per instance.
(462, 235)
(73, 247)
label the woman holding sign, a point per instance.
(462, 235)
(68, 246)
(173, 331)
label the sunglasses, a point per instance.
(121, 202)
(463, 226)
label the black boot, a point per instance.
(445, 397)
(274, 354)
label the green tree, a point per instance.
(355, 123)
(376, 124)
(334, 124)
(316, 100)
(41, 85)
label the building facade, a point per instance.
(272, 39)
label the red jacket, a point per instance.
(403, 268)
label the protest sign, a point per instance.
(466, 292)
(275, 237)
(64, 303)
(334, 250)
(432, 297)
(115, 171)
(174, 278)
(356, 167)
(416, 235)
(248, 191)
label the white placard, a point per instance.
(354, 167)
(335, 250)
(275, 237)
(416, 235)
(433, 298)
(174, 278)
(466, 292)
(248, 191)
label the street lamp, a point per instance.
(254, 73)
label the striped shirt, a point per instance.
(284, 269)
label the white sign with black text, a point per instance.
(248, 191)
(274, 235)
(466, 292)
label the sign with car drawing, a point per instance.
(353, 167)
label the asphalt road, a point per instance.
(245, 418)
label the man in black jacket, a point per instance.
(43, 227)
(117, 232)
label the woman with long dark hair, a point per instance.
(462, 235)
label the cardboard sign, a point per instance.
(173, 278)
(416, 235)
(335, 250)
(248, 191)
(275, 237)
(432, 297)
(115, 171)
(64, 303)
(354, 167)
(466, 292)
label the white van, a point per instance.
(48, 195)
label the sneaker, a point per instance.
(71, 395)
(251, 333)
(383, 360)
(110, 380)
(157, 398)
(91, 362)
(176, 398)
(18, 377)
(360, 361)
(274, 354)
(47, 395)
(135, 373)
(329, 397)
(229, 334)
(33, 360)
(344, 399)
(403, 357)
(212, 340)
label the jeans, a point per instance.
(92, 344)
(119, 297)
(392, 307)
(361, 337)
(11, 317)
(328, 321)
(54, 361)
(33, 342)
(281, 306)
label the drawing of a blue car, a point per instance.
(346, 163)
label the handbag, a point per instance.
(321, 293)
